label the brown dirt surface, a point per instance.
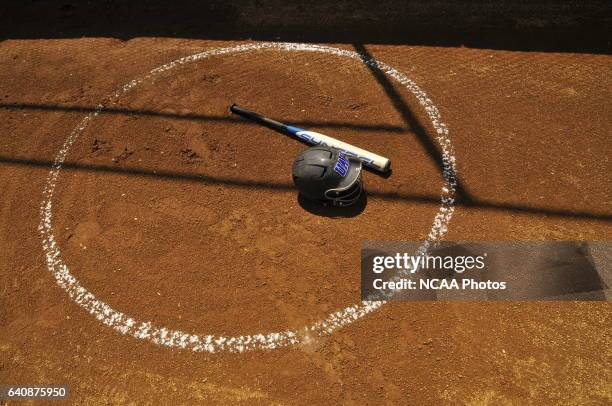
(172, 210)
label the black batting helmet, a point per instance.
(328, 175)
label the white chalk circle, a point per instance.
(148, 330)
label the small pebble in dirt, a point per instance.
(123, 156)
(189, 154)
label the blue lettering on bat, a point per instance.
(304, 135)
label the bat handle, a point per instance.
(258, 118)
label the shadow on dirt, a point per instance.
(319, 209)
(577, 26)
(426, 140)
(286, 187)
(194, 116)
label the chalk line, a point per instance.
(147, 330)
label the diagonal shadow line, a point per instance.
(245, 183)
(193, 116)
(409, 118)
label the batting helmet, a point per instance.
(328, 175)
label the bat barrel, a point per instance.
(258, 118)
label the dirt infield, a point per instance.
(173, 210)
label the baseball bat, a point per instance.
(374, 161)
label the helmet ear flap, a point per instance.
(346, 196)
